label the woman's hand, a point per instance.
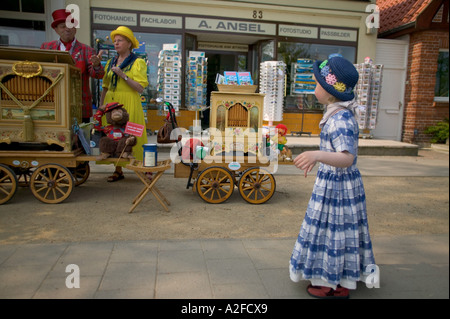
(118, 71)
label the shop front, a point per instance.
(235, 36)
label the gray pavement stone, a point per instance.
(129, 275)
(183, 285)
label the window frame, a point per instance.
(440, 98)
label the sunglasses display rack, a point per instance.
(272, 84)
(368, 93)
(169, 75)
(196, 80)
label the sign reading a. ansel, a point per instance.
(220, 25)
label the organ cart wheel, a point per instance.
(23, 175)
(81, 172)
(256, 185)
(8, 183)
(51, 183)
(215, 184)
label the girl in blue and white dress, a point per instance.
(333, 249)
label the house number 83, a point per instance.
(257, 14)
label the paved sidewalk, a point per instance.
(410, 267)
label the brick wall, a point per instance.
(421, 111)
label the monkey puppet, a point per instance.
(116, 141)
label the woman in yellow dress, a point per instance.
(125, 79)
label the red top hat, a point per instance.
(112, 105)
(60, 16)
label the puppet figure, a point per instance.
(285, 154)
(116, 142)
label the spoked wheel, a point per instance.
(256, 185)
(81, 173)
(23, 175)
(215, 185)
(51, 183)
(8, 183)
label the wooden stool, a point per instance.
(150, 184)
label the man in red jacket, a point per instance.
(83, 55)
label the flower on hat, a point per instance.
(339, 86)
(325, 70)
(323, 64)
(330, 79)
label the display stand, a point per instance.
(303, 84)
(368, 91)
(196, 86)
(169, 76)
(272, 84)
(196, 80)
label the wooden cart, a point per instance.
(50, 175)
(236, 159)
(214, 179)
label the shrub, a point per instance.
(439, 132)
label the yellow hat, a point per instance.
(126, 32)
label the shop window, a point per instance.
(441, 88)
(28, 32)
(289, 52)
(267, 51)
(242, 63)
(35, 6)
(22, 33)
(153, 44)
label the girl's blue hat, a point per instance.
(337, 76)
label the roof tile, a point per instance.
(395, 13)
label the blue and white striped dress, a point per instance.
(334, 245)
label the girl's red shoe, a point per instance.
(327, 292)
